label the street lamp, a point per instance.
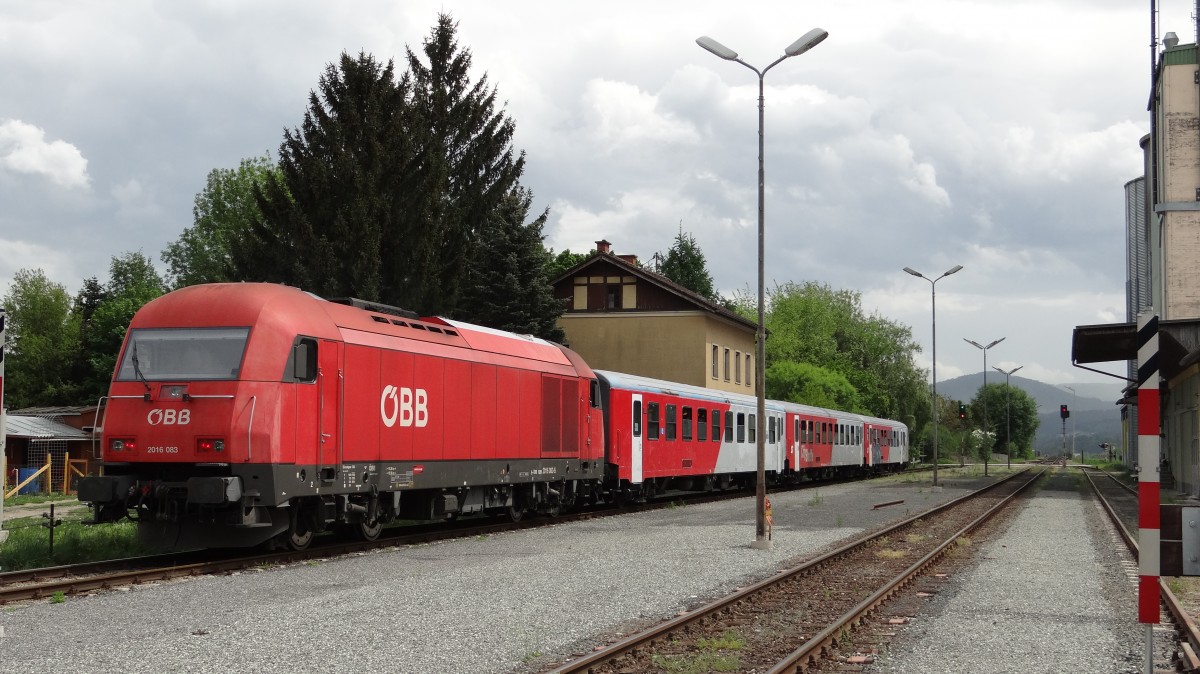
(1007, 410)
(933, 307)
(1074, 399)
(984, 396)
(807, 41)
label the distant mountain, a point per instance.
(1093, 419)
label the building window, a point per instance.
(613, 300)
(737, 367)
(748, 370)
(714, 360)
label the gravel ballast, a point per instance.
(491, 604)
(1049, 595)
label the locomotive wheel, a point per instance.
(300, 533)
(515, 513)
(369, 532)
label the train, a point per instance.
(244, 414)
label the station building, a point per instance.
(622, 316)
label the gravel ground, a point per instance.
(1046, 596)
(492, 604)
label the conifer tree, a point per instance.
(507, 287)
(685, 265)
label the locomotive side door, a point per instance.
(329, 392)
(635, 439)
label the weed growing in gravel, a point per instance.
(531, 656)
(58, 597)
(696, 664)
(888, 553)
(959, 548)
(815, 499)
(839, 521)
(730, 641)
(915, 538)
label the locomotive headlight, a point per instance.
(123, 445)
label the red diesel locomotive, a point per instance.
(247, 413)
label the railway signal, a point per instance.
(1063, 412)
(962, 411)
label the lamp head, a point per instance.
(807, 41)
(957, 268)
(914, 272)
(716, 48)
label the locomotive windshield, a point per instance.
(157, 354)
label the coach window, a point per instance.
(752, 429)
(637, 418)
(670, 422)
(715, 350)
(716, 425)
(701, 424)
(771, 430)
(741, 427)
(686, 413)
(652, 421)
(729, 427)
(796, 429)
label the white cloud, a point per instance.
(621, 114)
(23, 149)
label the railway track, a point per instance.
(1120, 501)
(33, 584)
(795, 620)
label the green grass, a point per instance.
(37, 498)
(696, 664)
(28, 544)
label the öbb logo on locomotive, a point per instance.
(411, 406)
(169, 417)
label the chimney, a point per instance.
(603, 246)
(631, 259)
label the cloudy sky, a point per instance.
(995, 134)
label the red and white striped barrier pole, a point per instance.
(1148, 479)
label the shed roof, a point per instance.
(37, 428)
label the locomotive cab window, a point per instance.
(164, 354)
(594, 394)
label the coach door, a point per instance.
(329, 390)
(635, 436)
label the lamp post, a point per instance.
(807, 41)
(933, 312)
(1074, 399)
(1008, 410)
(984, 395)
